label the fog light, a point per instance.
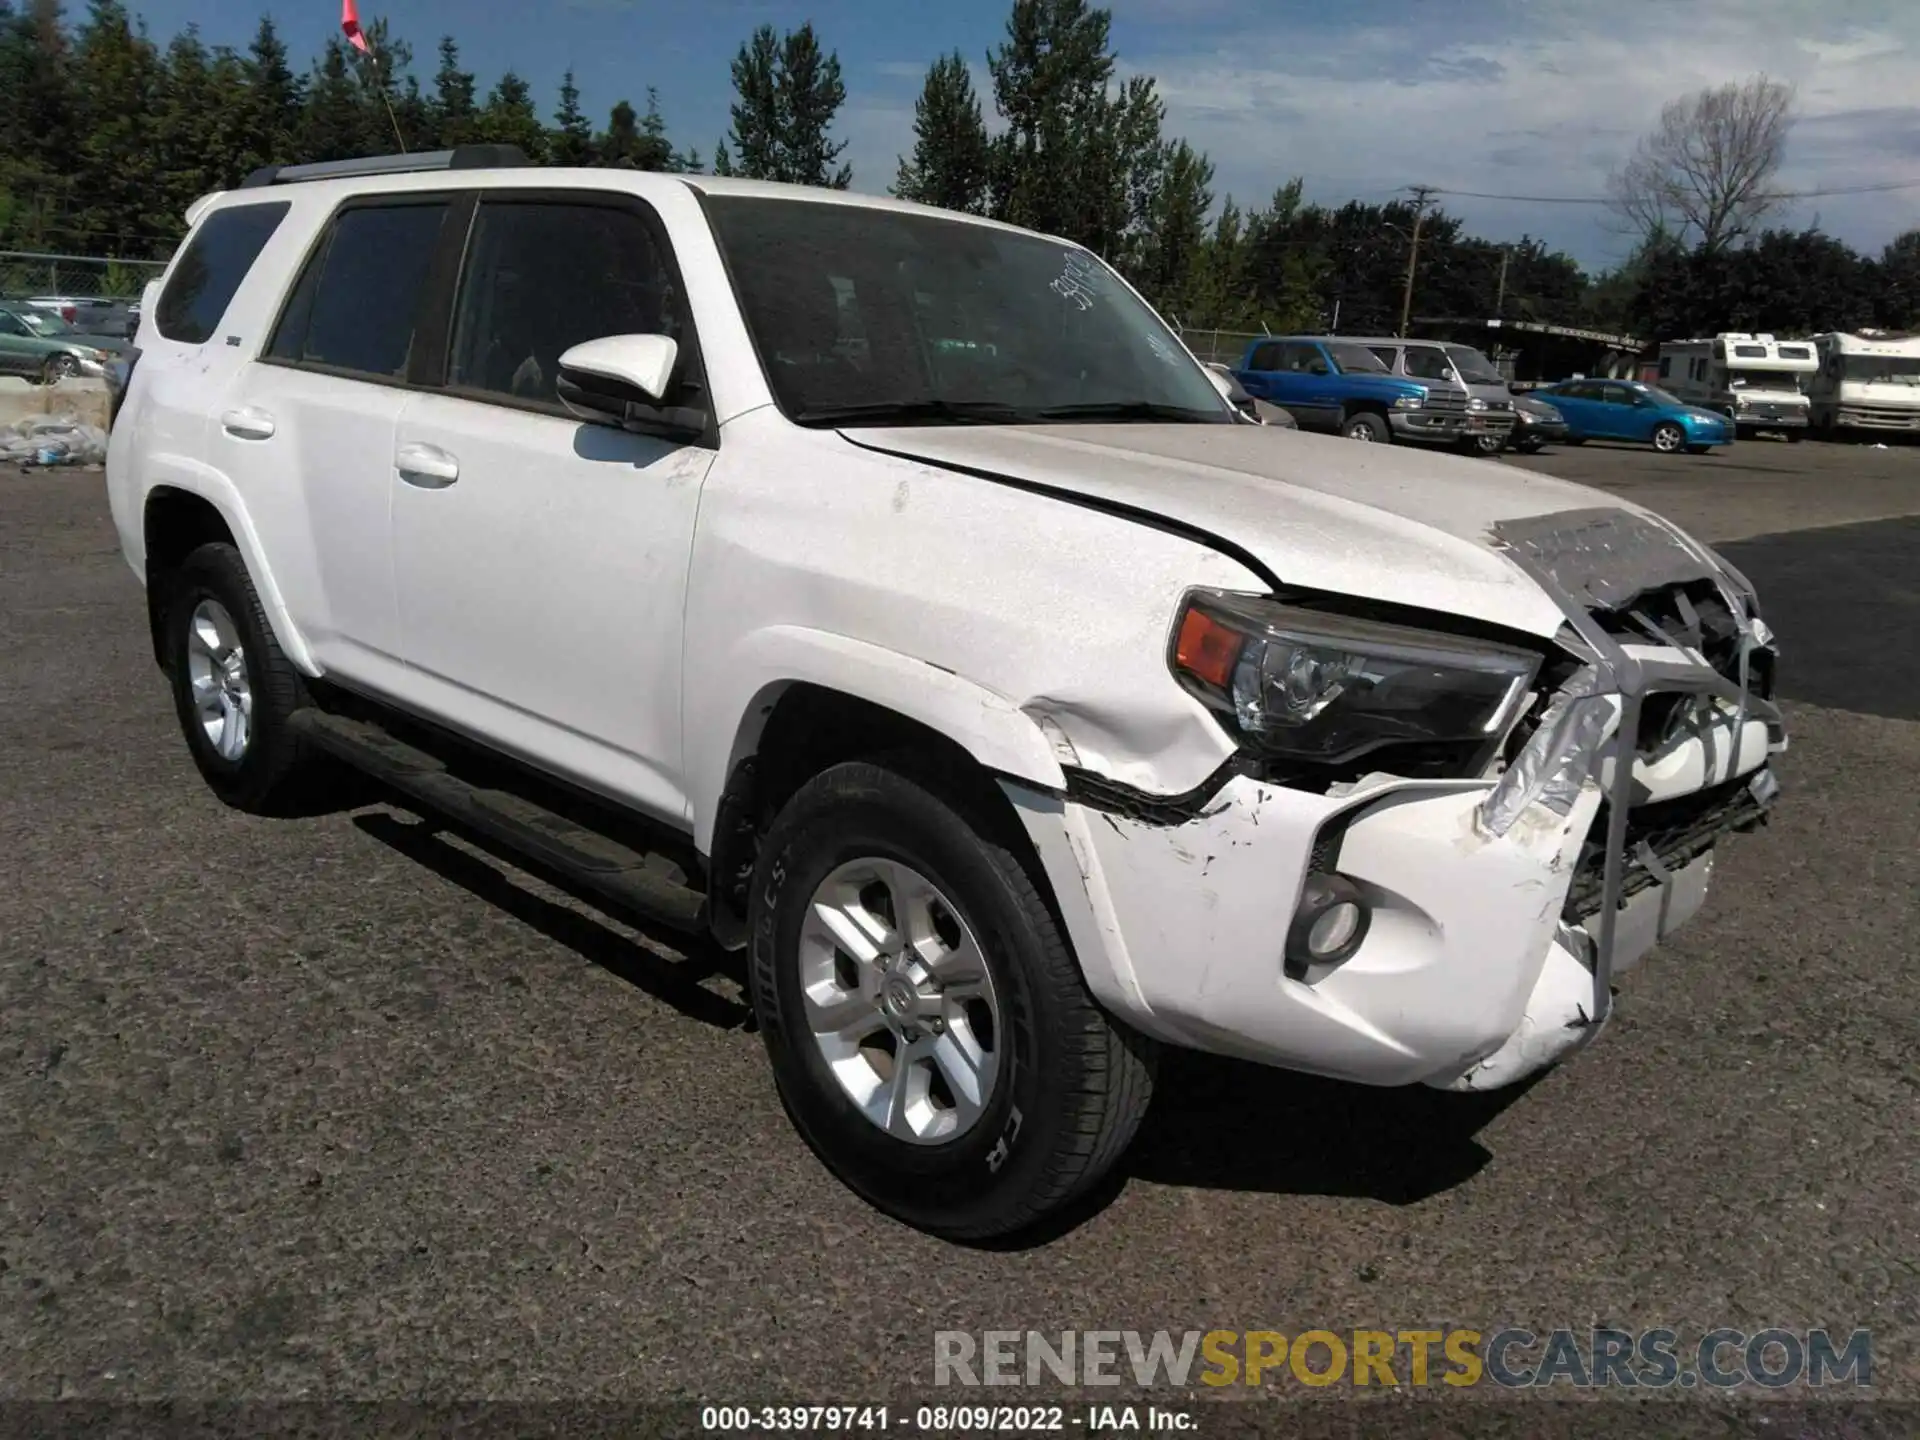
(1330, 924)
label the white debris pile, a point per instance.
(53, 440)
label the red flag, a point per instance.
(350, 22)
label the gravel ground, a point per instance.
(343, 1109)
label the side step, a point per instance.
(647, 883)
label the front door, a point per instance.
(541, 560)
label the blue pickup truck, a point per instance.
(1336, 385)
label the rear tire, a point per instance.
(223, 662)
(1057, 1087)
(1528, 447)
(1367, 426)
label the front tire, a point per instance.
(234, 690)
(889, 924)
(1367, 426)
(58, 368)
(1488, 445)
(1668, 438)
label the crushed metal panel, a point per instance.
(1603, 558)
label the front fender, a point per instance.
(178, 472)
(726, 727)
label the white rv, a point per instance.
(1754, 380)
(1867, 381)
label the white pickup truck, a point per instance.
(890, 595)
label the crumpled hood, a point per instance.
(1397, 524)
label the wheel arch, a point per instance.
(179, 515)
(832, 698)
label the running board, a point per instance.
(649, 884)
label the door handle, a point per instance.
(248, 424)
(426, 466)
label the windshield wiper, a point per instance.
(1131, 410)
(912, 412)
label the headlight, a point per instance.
(1327, 688)
(1409, 402)
(1476, 403)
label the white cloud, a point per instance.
(1544, 99)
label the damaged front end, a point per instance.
(1665, 712)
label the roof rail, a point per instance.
(461, 157)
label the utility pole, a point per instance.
(1420, 195)
(1500, 301)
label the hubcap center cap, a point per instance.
(898, 997)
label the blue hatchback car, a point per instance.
(1631, 410)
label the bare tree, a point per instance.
(1705, 172)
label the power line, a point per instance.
(1607, 200)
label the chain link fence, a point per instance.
(31, 273)
(1224, 346)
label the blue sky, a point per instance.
(1535, 98)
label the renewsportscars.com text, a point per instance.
(1721, 1359)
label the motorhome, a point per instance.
(1868, 380)
(1754, 380)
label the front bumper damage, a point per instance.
(1503, 907)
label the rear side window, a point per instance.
(1265, 357)
(544, 276)
(214, 263)
(357, 304)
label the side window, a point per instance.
(358, 301)
(211, 268)
(1264, 357)
(1428, 364)
(1666, 366)
(543, 276)
(1386, 354)
(1300, 358)
(11, 326)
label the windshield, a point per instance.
(1474, 368)
(1352, 358)
(866, 316)
(1887, 369)
(1762, 380)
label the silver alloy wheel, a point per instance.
(1490, 444)
(1360, 430)
(217, 679)
(1668, 438)
(900, 1001)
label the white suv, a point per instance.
(891, 595)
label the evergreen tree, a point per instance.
(509, 119)
(949, 167)
(1169, 269)
(454, 110)
(116, 80)
(787, 93)
(1899, 307)
(274, 104)
(570, 142)
(336, 124)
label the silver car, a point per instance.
(1490, 415)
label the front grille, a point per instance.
(1441, 402)
(1677, 831)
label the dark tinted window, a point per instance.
(1300, 357)
(541, 278)
(1428, 364)
(214, 263)
(1265, 357)
(356, 306)
(1666, 363)
(869, 315)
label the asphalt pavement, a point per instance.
(344, 1108)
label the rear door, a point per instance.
(1576, 403)
(308, 428)
(541, 560)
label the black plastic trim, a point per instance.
(1112, 797)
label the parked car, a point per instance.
(1258, 411)
(1489, 421)
(42, 348)
(1535, 423)
(1341, 386)
(1010, 704)
(1634, 410)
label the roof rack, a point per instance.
(461, 157)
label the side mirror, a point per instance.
(624, 380)
(1224, 383)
